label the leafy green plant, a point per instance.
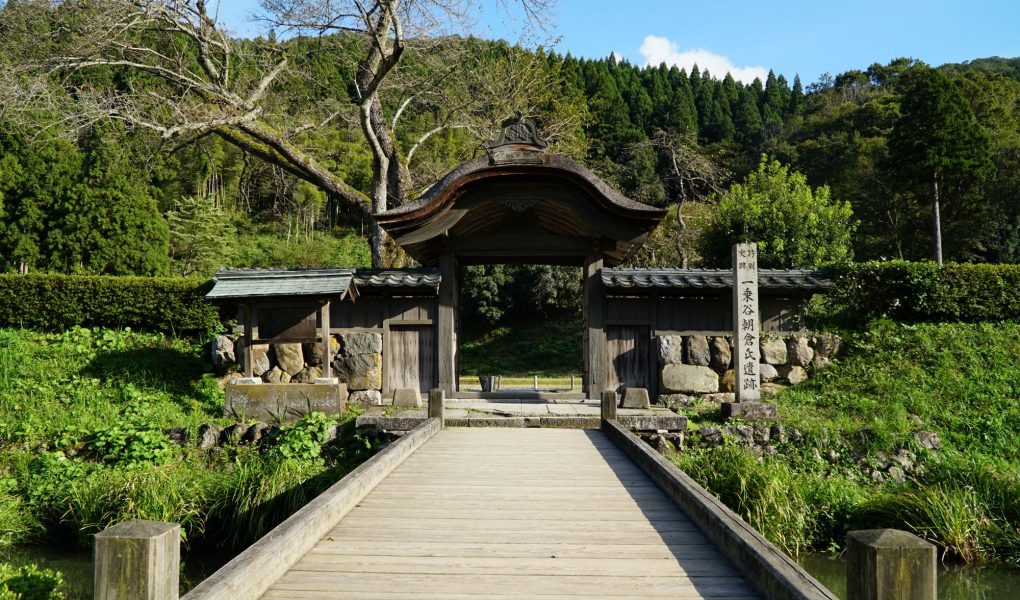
(131, 446)
(303, 441)
(29, 582)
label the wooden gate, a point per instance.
(629, 356)
(411, 357)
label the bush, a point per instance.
(793, 225)
(925, 292)
(56, 302)
(29, 582)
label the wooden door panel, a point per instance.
(628, 351)
(411, 360)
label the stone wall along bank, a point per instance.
(699, 364)
(357, 362)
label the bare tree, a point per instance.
(186, 77)
(692, 176)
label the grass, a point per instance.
(83, 417)
(961, 381)
(544, 347)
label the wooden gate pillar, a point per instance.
(595, 326)
(447, 324)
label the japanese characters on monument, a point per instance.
(746, 325)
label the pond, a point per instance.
(956, 582)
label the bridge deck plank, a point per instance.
(514, 513)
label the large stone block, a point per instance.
(727, 381)
(768, 372)
(223, 355)
(260, 357)
(308, 375)
(773, 350)
(792, 373)
(289, 357)
(671, 349)
(313, 351)
(826, 345)
(276, 375)
(635, 398)
(359, 372)
(365, 398)
(689, 379)
(284, 402)
(750, 411)
(360, 342)
(407, 397)
(799, 351)
(720, 356)
(697, 351)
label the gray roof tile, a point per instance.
(257, 283)
(791, 279)
(260, 283)
(429, 278)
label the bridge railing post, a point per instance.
(888, 564)
(437, 401)
(609, 402)
(138, 560)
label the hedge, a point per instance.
(56, 302)
(926, 292)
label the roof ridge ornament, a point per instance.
(518, 134)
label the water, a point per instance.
(956, 582)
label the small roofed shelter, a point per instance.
(285, 306)
(521, 204)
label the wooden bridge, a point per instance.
(489, 513)
(514, 513)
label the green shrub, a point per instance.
(57, 302)
(29, 582)
(925, 292)
(954, 518)
(762, 493)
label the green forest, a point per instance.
(108, 165)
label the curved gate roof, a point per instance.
(520, 204)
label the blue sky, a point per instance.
(750, 37)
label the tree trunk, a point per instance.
(936, 220)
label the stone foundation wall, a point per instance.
(357, 362)
(698, 364)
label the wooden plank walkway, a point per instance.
(514, 513)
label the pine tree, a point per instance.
(201, 238)
(796, 97)
(937, 144)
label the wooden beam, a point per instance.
(249, 339)
(446, 335)
(327, 369)
(595, 318)
(522, 244)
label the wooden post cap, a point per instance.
(888, 564)
(138, 560)
(437, 398)
(609, 402)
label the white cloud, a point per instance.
(657, 50)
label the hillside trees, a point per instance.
(73, 210)
(937, 147)
(169, 66)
